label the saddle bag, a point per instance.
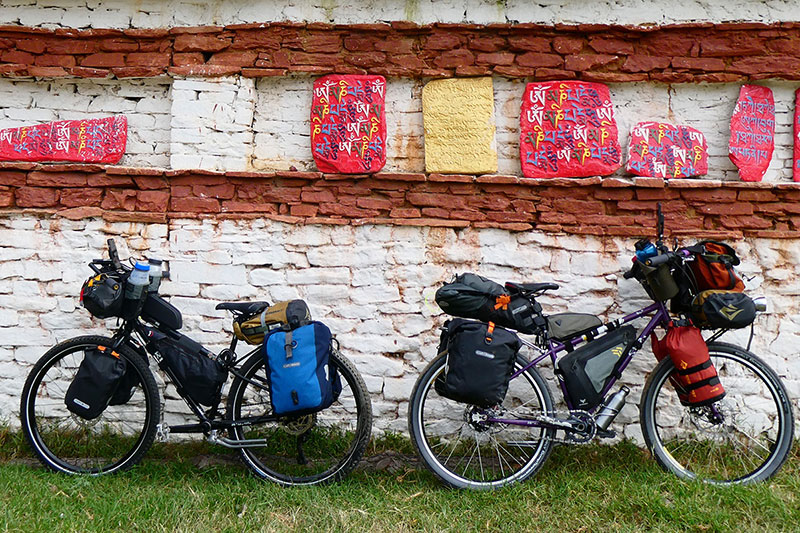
(723, 310)
(199, 375)
(480, 359)
(473, 296)
(95, 383)
(102, 295)
(695, 378)
(294, 313)
(588, 369)
(301, 378)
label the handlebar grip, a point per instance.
(658, 259)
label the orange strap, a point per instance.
(489, 332)
(502, 302)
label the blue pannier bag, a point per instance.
(301, 379)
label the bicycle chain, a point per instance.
(549, 419)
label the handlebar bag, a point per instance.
(695, 378)
(95, 383)
(723, 310)
(199, 376)
(294, 313)
(480, 359)
(588, 369)
(713, 266)
(301, 378)
(102, 295)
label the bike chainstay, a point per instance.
(563, 424)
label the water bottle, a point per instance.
(611, 408)
(155, 275)
(138, 279)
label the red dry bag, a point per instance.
(695, 377)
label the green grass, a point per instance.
(592, 488)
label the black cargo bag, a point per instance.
(723, 310)
(473, 296)
(480, 359)
(95, 383)
(588, 369)
(200, 376)
(469, 296)
(102, 295)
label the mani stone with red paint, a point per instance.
(99, 140)
(567, 130)
(348, 124)
(752, 132)
(660, 150)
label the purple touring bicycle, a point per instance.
(743, 438)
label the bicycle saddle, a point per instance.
(531, 287)
(243, 307)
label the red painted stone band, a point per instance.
(589, 206)
(694, 52)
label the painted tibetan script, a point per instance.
(86, 141)
(752, 132)
(660, 150)
(567, 129)
(348, 123)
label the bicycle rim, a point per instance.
(68, 443)
(305, 450)
(743, 438)
(464, 450)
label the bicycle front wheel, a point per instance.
(463, 448)
(300, 450)
(65, 442)
(743, 438)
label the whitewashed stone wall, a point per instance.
(373, 285)
(212, 123)
(146, 103)
(157, 13)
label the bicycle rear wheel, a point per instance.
(301, 450)
(743, 438)
(463, 449)
(65, 442)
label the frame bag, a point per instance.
(199, 375)
(695, 378)
(480, 359)
(301, 378)
(589, 369)
(95, 383)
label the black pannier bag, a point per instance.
(723, 310)
(480, 360)
(102, 295)
(588, 369)
(200, 376)
(473, 296)
(95, 383)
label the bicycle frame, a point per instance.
(660, 316)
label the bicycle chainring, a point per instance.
(299, 425)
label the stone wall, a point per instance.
(372, 284)
(218, 176)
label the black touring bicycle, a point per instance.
(91, 404)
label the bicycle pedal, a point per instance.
(606, 433)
